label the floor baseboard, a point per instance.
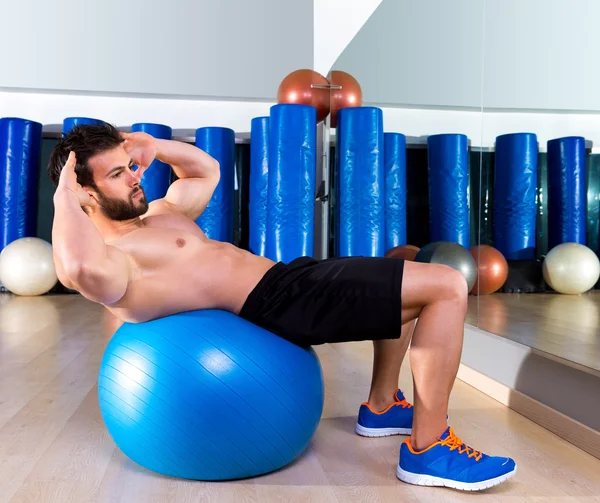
(565, 427)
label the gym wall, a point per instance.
(187, 63)
(181, 48)
(186, 113)
(437, 81)
(530, 69)
(398, 59)
(336, 22)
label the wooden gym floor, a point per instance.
(54, 447)
(564, 326)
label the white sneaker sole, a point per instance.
(427, 480)
(381, 432)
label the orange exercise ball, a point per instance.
(350, 94)
(406, 252)
(296, 88)
(492, 269)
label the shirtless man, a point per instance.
(143, 261)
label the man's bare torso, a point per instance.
(175, 268)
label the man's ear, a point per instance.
(93, 202)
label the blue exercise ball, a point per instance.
(206, 395)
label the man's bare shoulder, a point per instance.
(160, 207)
(162, 214)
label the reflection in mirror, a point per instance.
(540, 177)
(479, 129)
(405, 129)
(404, 163)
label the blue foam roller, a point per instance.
(217, 220)
(292, 174)
(207, 395)
(567, 191)
(20, 147)
(448, 167)
(69, 122)
(259, 185)
(360, 191)
(157, 178)
(395, 190)
(515, 184)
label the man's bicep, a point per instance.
(191, 196)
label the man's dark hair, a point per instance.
(86, 141)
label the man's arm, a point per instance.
(82, 259)
(198, 172)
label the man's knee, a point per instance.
(426, 284)
(453, 285)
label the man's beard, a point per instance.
(118, 209)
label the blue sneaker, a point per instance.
(396, 419)
(451, 463)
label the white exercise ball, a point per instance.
(27, 267)
(571, 268)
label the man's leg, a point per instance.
(388, 356)
(437, 295)
(387, 412)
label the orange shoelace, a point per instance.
(404, 404)
(397, 403)
(454, 443)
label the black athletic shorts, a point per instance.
(311, 302)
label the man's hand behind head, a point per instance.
(141, 147)
(68, 181)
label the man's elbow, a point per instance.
(99, 285)
(67, 273)
(215, 170)
(78, 273)
(214, 173)
(65, 280)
